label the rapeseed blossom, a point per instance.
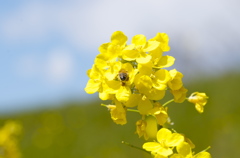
(199, 99)
(131, 75)
(166, 141)
(134, 78)
(9, 145)
(184, 151)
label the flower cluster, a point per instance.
(167, 141)
(8, 142)
(134, 78)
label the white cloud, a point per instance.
(89, 24)
(59, 66)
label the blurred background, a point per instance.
(46, 47)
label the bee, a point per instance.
(123, 76)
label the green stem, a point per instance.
(168, 102)
(133, 110)
(126, 143)
(205, 149)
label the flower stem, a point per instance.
(168, 102)
(206, 149)
(126, 143)
(133, 110)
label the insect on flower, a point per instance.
(123, 76)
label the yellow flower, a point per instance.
(118, 113)
(147, 128)
(96, 80)
(141, 129)
(160, 113)
(184, 151)
(176, 80)
(113, 49)
(137, 50)
(150, 82)
(179, 95)
(166, 141)
(199, 99)
(119, 79)
(163, 39)
(8, 140)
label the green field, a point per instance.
(85, 130)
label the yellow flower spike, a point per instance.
(166, 141)
(199, 99)
(118, 113)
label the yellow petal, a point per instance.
(151, 128)
(106, 96)
(165, 61)
(123, 94)
(144, 106)
(130, 55)
(103, 48)
(162, 76)
(92, 86)
(133, 100)
(150, 46)
(143, 58)
(163, 39)
(155, 94)
(111, 87)
(184, 149)
(118, 38)
(143, 83)
(203, 155)
(163, 134)
(139, 40)
(151, 146)
(113, 70)
(174, 140)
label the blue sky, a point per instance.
(47, 47)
